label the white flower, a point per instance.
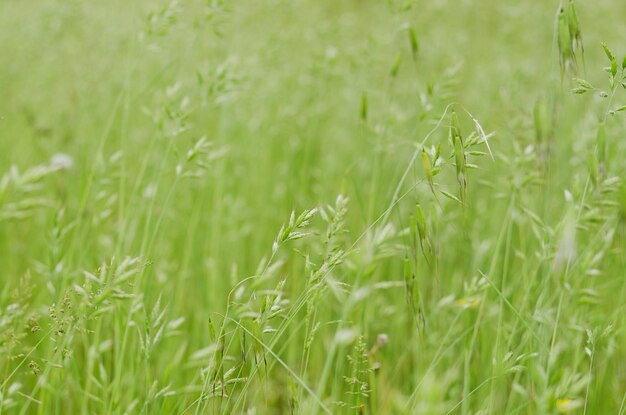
(150, 191)
(61, 161)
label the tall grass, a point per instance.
(396, 207)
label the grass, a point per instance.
(377, 207)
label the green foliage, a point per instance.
(212, 207)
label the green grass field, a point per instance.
(312, 207)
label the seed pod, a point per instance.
(566, 53)
(414, 42)
(428, 172)
(572, 21)
(364, 107)
(608, 52)
(256, 345)
(455, 129)
(583, 84)
(613, 70)
(420, 221)
(409, 281)
(460, 167)
(574, 27)
(426, 165)
(459, 156)
(396, 65)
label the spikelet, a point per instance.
(574, 31)
(428, 172)
(567, 58)
(459, 156)
(414, 43)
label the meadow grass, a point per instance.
(299, 207)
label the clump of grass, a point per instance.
(172, 243)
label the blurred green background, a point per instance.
(279, 88)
